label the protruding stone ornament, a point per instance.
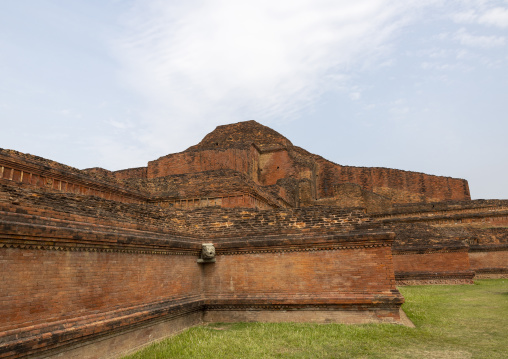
(207, 253)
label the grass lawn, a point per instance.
(453, 321)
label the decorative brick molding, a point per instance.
(499, 270)
(492, 273)
(430, 249)
(489, 248)
(420, 278)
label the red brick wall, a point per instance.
(240, 160)
(212, 223)
(72, 271)
(203, 222)
(234, 201)
(323, 273)
(401, 186)
(500, 220)
(19, 171)
(432, 262)
(276, 165)
(139, 172)
(485, 260)
(40, 286)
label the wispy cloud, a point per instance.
(483, 13)
(468, 39)
(222, 61)
(495, 17)
(201, 63)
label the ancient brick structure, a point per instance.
(243, 226)
(449, 242)
(79, 269)
(251, 160)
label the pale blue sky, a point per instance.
(420, 86)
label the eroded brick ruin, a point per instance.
(96, 263)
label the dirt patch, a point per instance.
(404, 319)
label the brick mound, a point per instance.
(97, 261)
(241, 135)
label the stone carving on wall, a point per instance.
(207, 254)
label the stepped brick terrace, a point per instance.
(243, 226)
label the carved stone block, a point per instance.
(207, 253)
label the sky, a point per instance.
(413, 85)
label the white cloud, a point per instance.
(467, 39)
(69, 113)
(495, 17)
(224, 61)
(399, 110)
(201, 63)
(355, 95)
(482, 15)
(121, 125)
(465, 17)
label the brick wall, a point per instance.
(401, 186)
(242, 160)
(347, 195)
(50, 176)
(139, 172)
(77, 269)
(210, 222)
(67, 278)
(489, 261)
(436, 208)
(432, 262)
(325, 273)
(432, 267)
(223, 223)
(320, 275)
(278, 164)
(481, 224)
(43, 286)
(224, 187)
(242, 200)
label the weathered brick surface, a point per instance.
(205, 160)
(478, 226)
(139, 172)
(204, 189)
(433, 267)
(265, 159)
(280, 163)
(90, 254)
(51, 176)
(41, 286)
(450, 261)
(118, 344)
(78, 268)
(242, 134)
(400, 186)
(491, 260)
(217, 223)
(437, 208)
(261, 275)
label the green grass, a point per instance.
(459, 321)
